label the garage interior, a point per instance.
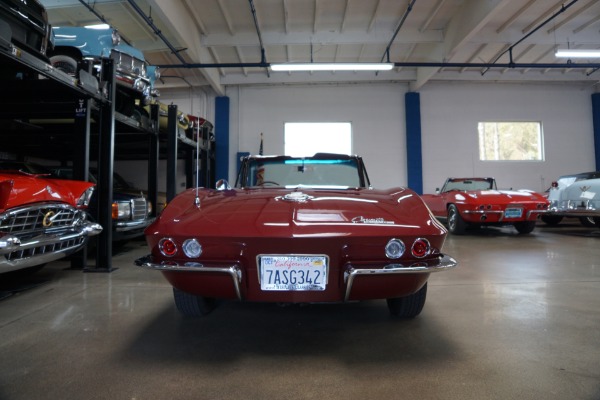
(517, 318)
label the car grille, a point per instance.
(128, 63)
(139, 208)
(49, 248)
(29, 221)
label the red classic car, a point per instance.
(474, 202)
(297, 230)
(41, 219)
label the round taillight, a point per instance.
(191, 248)
(167, 247)
(420, 248)
(394, 248)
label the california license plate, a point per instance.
(513, 213)
(293, 273)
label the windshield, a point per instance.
(469, 184)
(330, 173)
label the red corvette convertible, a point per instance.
(473, 202)
(41, 219)
(297, 230)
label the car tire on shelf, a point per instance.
(456, 224)
(409, 306)
(525, 227)
(191, 305)
(64, 63)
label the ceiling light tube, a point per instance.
(332, 67)
(578, 53)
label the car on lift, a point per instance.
(73, 44)
(297, 230)
(26, 22)
(555, 215)
(580, 199)
(42, 219)
(131, 210)
(465, 203)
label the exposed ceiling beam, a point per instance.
(469, 20)
(184, 27)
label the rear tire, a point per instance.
(456, 224)
(587, 221)
(525, 227)
(191, 305)
(408, 306)
(551, 219)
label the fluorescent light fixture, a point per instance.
(578, 53)
(97, 26)
(332, 67)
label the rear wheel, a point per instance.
(191, 305)
(551, 219)
(587, 221)
(408, 306)
(456, 224)
(525, 226)
(597, 221)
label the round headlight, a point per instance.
(167, 247)
(421, 248)
(192, 248)
(394, 248)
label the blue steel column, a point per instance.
(596, 120)
(414, 158)
(222, 137)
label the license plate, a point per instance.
(513, 213)
(293, 273)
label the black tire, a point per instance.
(191, 305)
(409, 306)
(456, 224)
(525, 227)
(551, 219)
(587, 221)
(65, 63)
(597, 221)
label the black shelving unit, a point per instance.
(48, 114)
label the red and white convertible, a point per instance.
(473, 202)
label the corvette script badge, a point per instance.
(375, 221)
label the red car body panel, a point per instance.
(41, 219)
(18, 189)
(235, 226)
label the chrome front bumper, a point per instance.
(17, 254)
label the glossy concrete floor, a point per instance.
(518, 319)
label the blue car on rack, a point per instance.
(133, 75)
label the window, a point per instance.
(308, 138)
(510, 141)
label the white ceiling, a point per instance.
(447, 39)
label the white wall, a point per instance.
(376, 112)
(450, 113)
(449, 116)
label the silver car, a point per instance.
(576, 195)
